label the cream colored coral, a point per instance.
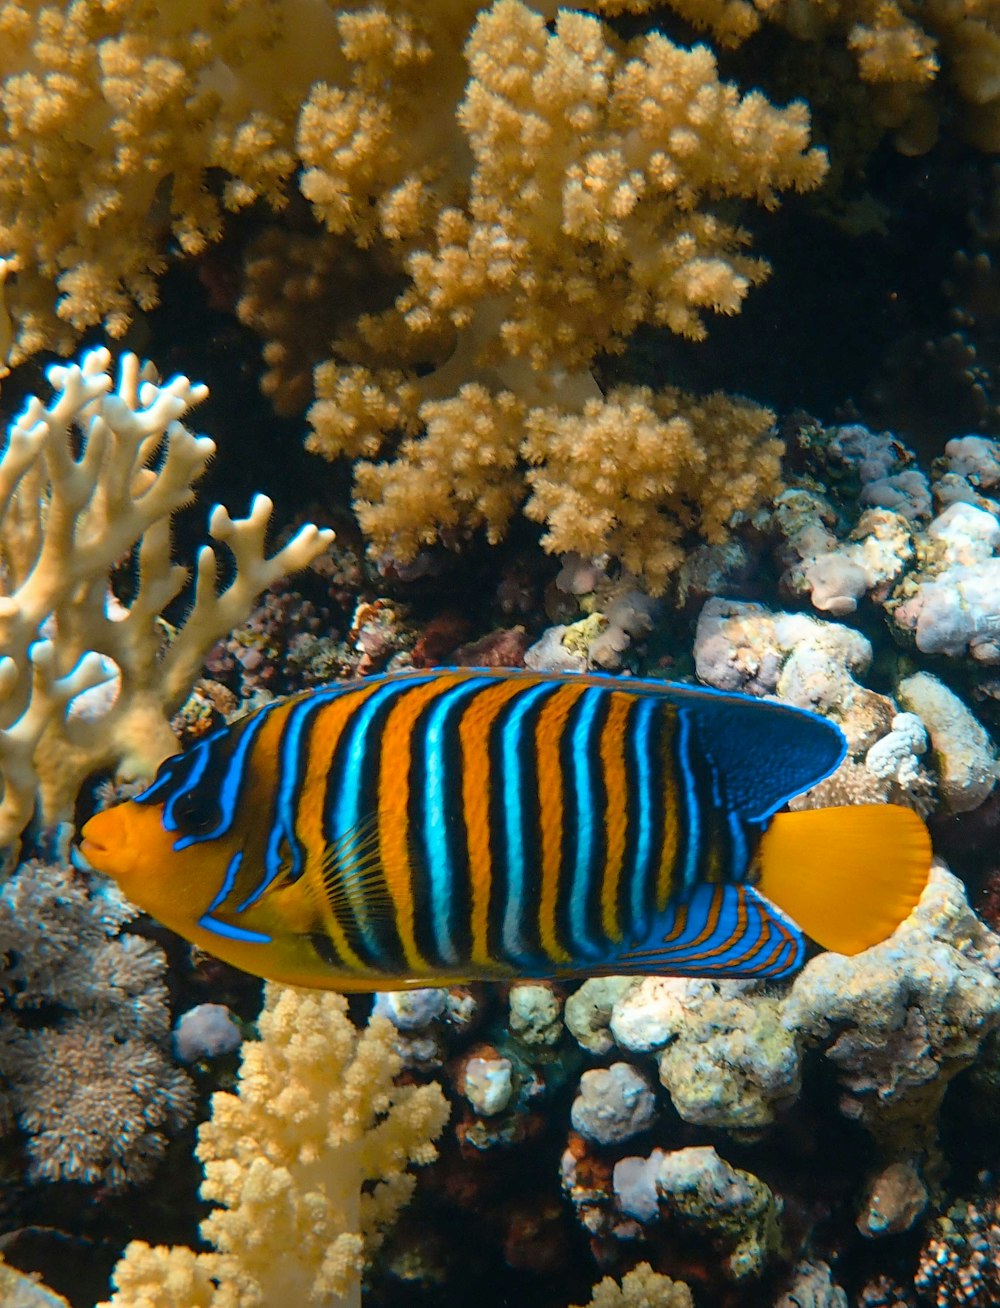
(307, 1162)
(84, 480)
(641, 1288)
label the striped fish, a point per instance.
(444, 825)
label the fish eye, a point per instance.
(195, 814)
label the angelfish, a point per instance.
(437, 826)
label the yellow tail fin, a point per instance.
(848, 876)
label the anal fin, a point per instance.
(721, 931)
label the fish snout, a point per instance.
(104, 841)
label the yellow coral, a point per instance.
(522, 194)
(307, 1162)
(641, 1288)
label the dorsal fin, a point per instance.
(763, 752)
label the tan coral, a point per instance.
(641, 1288)
(595, 169)
(307, 1162)
(634, 475)
(111, 116)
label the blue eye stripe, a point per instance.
(232, 782)
(199, 762)
(228, 881)
(177, 768)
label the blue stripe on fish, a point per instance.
(437, 801)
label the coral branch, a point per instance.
(83, 481)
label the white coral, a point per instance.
(84, 481)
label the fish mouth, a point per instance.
(96, 847)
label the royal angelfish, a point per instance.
(438, 826)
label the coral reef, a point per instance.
(901, 1019)
(313, 1149)
(84, 1031)
(84, 480)
(475, 239)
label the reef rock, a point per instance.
(588, 1011)
(812, 1287)
(733, 1209)
(902, 1018)
(894, 1199)
(726, 1058)
(965, 757)
(801, 659)
(951, 603)
(613, 1104)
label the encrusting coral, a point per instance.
(308, 1159)
(84, 480)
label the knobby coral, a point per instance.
(307, 1162)
(83, 481)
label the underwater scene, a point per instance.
(499, 654)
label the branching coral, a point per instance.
(633, 475)
(307, 1163)
(84, 1031)
(589, 211)
(525, 197)
(83, 481)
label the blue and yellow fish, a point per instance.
(428, 827)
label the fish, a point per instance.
(432, 827)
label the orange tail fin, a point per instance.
(848, 876)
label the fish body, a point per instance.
(443, 825)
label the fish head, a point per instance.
(162, 871)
